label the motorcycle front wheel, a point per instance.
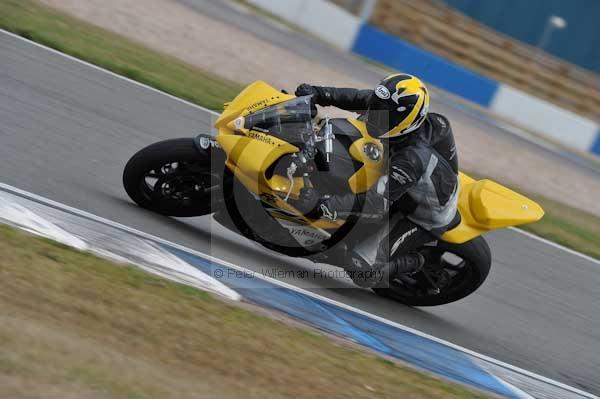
(173, 178)
(451, 272)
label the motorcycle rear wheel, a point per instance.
(450, 281)
(171, 177)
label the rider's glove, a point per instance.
(315, 206)
(308, 203)
(307, 90)
(369, 205)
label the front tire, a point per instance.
(172, 177)
(465, 277)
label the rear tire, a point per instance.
(193, 169)
(477, 262)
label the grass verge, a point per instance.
(54, 29)
(567, 226)
(74, 325)
(562, 224)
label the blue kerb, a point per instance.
(392, 51)
(381, 337)
(596, 146)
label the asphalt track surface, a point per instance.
(67, 129)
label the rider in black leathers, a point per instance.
(420, 190)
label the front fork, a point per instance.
(208, 148)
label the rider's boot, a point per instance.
(407, 264)
(381, 273)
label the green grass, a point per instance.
(568, 226)
(115, 53)
(572, 228)
(74, 325)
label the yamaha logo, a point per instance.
(238, 123)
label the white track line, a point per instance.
(209, 111)
(96, 67)
(75, 211)
(557, 246)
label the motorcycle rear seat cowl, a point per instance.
(485, 205)
(494, 206)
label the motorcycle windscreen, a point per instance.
(290, 121)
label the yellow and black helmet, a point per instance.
(399, 105)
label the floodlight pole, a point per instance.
(554, 23)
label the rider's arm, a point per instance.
(443, 139)
(344, 98)
(405, 170)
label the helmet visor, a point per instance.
(381, 117)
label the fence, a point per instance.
(457, 54)
(456, 37)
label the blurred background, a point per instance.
(495, 53)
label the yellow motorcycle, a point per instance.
(268, 147)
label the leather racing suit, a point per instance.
(421, 186)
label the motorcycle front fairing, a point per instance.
(248, 131)
(256, 96)
(258, 136)
(290, 120)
